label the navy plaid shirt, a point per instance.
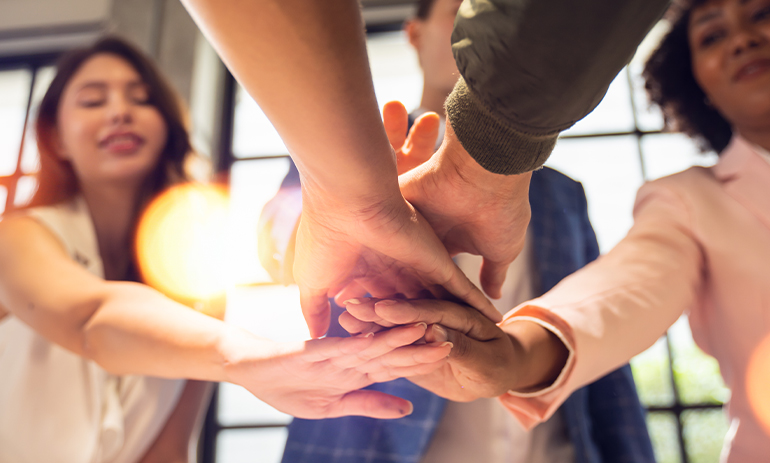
(605, 420)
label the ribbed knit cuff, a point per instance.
(495, 146)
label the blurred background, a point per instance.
(612, 152)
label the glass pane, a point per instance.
(610, 172)
(647, 118)
(14, 93)
(252, 184)
(396, 74)
(704, 432)
(664, 436)
(251, 445)
(3, 198)
(653, 377)
(669, 153)
(272, 312)
(29, 157)
(697, 375)
(614, 113)
(395, 69)
(253, 134)
(25, 188)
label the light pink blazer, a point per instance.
(700, 245)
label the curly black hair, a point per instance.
(670, 83)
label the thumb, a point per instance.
(373, 404)
(315, 309)
(492, 277)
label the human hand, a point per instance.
(419, 145)
(486, 360)
(321, 378)
(471, 209)
(384, 247)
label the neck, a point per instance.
(433, 99)
(759, 137)
(113, 210)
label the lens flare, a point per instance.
(181, 243)
(758, 383)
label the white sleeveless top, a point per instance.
(56, 406)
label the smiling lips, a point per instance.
(752, 69)
(122, 143)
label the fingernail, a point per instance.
(352, 301)
(444, 344)
(408, 410)
(385, 303)
(365, 335)
(440, 333)
(421, 324)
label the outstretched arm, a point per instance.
(129, 328)
(305, 63)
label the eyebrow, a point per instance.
(99, 85)
(706, 17)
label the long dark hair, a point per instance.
(57, 181)
(671, 84)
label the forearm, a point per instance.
(136, 330)
(534, 68)
(305, 63)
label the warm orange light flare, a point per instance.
(181, 242)
(758, 383)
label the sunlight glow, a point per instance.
(182, 243)
(757, 381)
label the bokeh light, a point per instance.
(758, 383)
(182, 243)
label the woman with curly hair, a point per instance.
(700, 245)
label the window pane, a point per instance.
(669, 153)
(395, 69)
(613, 114)
(610, 172)
(647, 118)
(25, 188)
(251, 445)
(29, 157)
(704, 432)
(396, 74)
(664, 436)
(252, 184)
(3, 198)
(14, 93)
(653, 377)
(697, 375)
(268, 311)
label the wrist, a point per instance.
(236, 349)
(538, 359)
(454, 162)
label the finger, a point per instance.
(363, 309)
(445, 313)
(315, 309)
(408, 356)
(383, 343)
(351, 291)
(396, 120)
(374, 404)
(354, 326)
(461, 287)
(421, 143)
(406, 372)
(492, 277)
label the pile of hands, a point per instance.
(410, 310)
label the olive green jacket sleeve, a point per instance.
(532, 68)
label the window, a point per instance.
(612, 151)
(22, 84)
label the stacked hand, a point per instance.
(321, 378)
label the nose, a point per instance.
(745, 40)
(120, 111)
